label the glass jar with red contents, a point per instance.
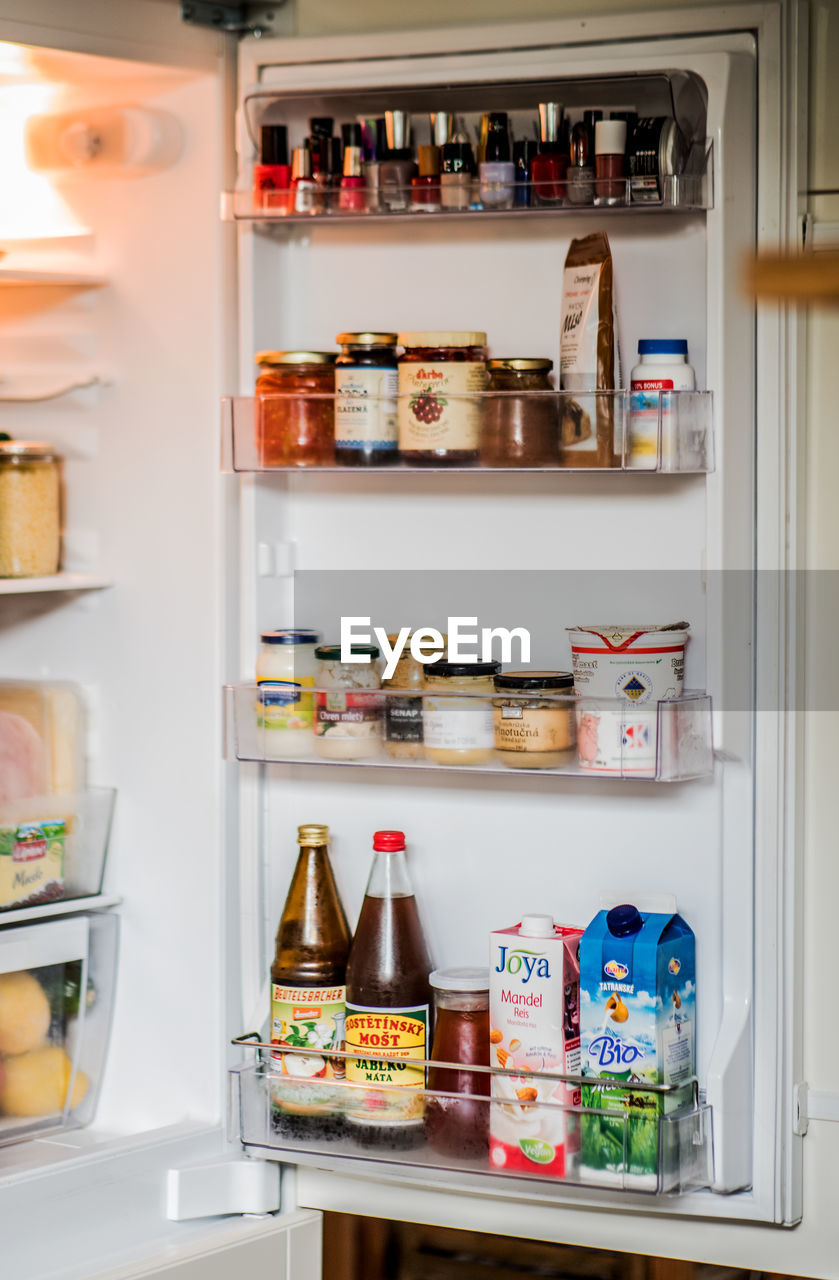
(439, 410)
(459, 1126)
(295, 423)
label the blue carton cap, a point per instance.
(624, 920)
(662, 347)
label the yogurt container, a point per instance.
(621, 673)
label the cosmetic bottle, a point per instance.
(550, 164)
(351, 134)
(352, 197)
(373, 164)
(580, 184)
(398, 168)
(326, 176)
(442, 127)
(458, 171)
(609, 162)
(425, 189)
(524, 152)
(302, 183)
(497, 173)
(272, 175)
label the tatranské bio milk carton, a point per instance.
(534, 1026)
(637, 1022)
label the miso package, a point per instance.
(589, 357)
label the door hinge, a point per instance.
(223, 1187)
(813, 1104)
(234, 19)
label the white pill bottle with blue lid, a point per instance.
(663, 368)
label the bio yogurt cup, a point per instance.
(621, 673)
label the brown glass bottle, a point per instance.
(308, 994)
(388, 1005)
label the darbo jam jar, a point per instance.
(297, 427)
(439, 414)
(534, 727)
(458, 730)
(348, 718)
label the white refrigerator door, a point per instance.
(301, 284)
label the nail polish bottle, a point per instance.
(580, 185)
(425, 189)
(302, 183)
(272, 175)
(351, 134)
(442, 126)
(326, 171)
(609, 162)
(377, 148)
(550, 164)
(398, 168)
(497, 173)
(524, 152)
(458, 165)
(352, 197)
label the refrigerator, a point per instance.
(142, 277)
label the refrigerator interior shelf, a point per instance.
(54, 582)
(65, 907)
(531, 1129)
(32, 387)
(667, 741)
(533, 431)
(53, 850)
(15, 277)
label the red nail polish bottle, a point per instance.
(272, 175)
(352, 197)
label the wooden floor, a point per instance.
(373, 1249)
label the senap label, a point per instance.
(534, 1021)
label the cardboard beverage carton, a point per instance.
(534, 1026)
(637, 1022)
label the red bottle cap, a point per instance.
(388, 841)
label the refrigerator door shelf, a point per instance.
(515, 431)
(668, 741)
(549, 1145)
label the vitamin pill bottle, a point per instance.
(663, 367)
(285, 668)
(439, 413)
(534, 725)
(458, 730)
(30, 510)
(295, 424)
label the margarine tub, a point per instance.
(621, 672)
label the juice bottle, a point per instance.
(461, 1034)
(308, 993)
(388, 1005)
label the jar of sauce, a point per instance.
(295, 424)
(365, 400)
(403, 713)
(30, 509)
(348, 721)
(439, 412)
(458, 730)
(520, 426)
(534, 726)
(459, 1126)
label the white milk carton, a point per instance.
(534, 1027)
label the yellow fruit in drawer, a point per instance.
(24, 1012)
(36, 1083)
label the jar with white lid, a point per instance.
(286, 666)
(348, 717)
(30, 509)
(663, 367)
(458, 730)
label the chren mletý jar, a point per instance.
(348, 721)
(295, 425)
(439, 414)
(457, 730)
(534, 726)
(520, 430)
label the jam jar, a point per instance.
(295, 427)
(365, 400)
(520, 426)
(439, 413)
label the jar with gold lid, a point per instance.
(439, 412)
(295, 422)
(30, 509)
(520, 425)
